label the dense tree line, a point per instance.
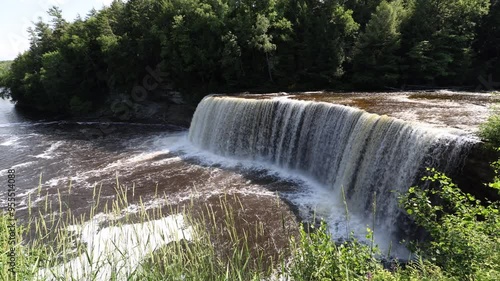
(203, 46)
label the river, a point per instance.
(67, 159)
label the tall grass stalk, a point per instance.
(374, 218)
(346, 209)
(209, 241)
(54, 240)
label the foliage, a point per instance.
(4, 69)
(490, 130)
(11, 250)
(201, 46)
(487, 44)
(465, 232)
(318, 257)
(377, 61)
(437, 39)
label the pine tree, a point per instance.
(487, 46)
(376, 63)
(438, 39)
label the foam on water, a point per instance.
(27, 124)
(23, 165)
(49, 153)
(11, 141)
(328, 149)
(112, 248)
(134, 160)
(313, 200)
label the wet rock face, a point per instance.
(161, 112)
(477, 172)
(157, 112)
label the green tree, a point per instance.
(259, 28)
(59, 24)
(362, 9)
(192, 43)
(23, 80)
(54, 79)
(203, 46)
(321, 44)
(231, 59)
(263, 41)
(377, 60)
(487, 44)
(438, 39)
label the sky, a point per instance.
(16, 16)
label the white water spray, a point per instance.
(338, 146)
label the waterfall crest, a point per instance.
(338, 146)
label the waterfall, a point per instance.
(340, 147)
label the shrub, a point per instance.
(465, 232)
(318, 257)
(490, 130)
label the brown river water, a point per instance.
(289, 165)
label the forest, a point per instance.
(197, 47)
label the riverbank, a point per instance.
(149, 112)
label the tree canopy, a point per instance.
(201, 46)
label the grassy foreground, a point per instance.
(188, 244)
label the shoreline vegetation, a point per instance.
(4, 67)
(136, 51)
(206, 241)
(123, 58)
